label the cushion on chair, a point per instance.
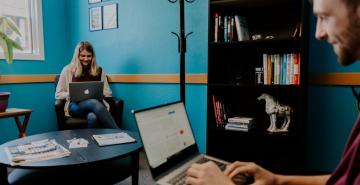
(108, 172)
(75, 123)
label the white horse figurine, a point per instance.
(274, 109)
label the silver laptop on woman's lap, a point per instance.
(170, 145)
(79, 91)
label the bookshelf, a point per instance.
(233, 88)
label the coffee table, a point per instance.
(79, 157)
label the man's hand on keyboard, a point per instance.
(254, 172)
(206, 174)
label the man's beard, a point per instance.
(350, 51)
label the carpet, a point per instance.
(145, 177)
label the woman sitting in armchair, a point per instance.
(83, 67)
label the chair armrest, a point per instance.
(60, 113)
(116, 109)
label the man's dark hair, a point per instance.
(352, 5)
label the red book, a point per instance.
(296, 69)
(215, 112)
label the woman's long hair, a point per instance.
(75, 65)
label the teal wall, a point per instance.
(331, 109)
(143, 44)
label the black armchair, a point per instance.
(64, 122)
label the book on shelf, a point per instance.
(113, 138)
(220, 28)
(288, 66)
(268, 70)
(241, 28)
(265, 69)
(297, 31)
(216, 32)
(231, 30)
(219, 111)
(296, 69)
(226, 28)
(227, 127)
(240, 119)
(239, 127)
(229, 37)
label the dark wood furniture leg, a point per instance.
(3, 175)
(135, 168)
(22, 126)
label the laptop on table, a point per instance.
(170, 145)
(80, 91)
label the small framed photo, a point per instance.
(94, 1)
(110, 16)
(95, 18)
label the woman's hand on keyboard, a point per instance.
(260, 175)
(206, 174)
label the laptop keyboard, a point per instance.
(180, 178)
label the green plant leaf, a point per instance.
(10, 52)
(2, 26)
(12, 26)
(12, 43)
(16, 45)
(4, 46)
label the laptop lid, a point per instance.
(166, 135)
(80, 91)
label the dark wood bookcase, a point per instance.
(231, 79)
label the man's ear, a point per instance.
(358, 11)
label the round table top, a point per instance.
(91, 154)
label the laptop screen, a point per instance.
(165, 132)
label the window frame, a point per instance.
(37, 35)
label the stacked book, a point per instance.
(240, 123)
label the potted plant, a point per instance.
(7, 45)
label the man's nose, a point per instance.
(320, 32)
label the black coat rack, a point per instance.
(182, 45)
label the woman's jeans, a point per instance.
(94, 111)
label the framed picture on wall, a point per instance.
(94, 1)
(95, 18)
(110, 16)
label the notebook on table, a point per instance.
(169, 144)
(79, 91)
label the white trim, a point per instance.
(37, 33)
